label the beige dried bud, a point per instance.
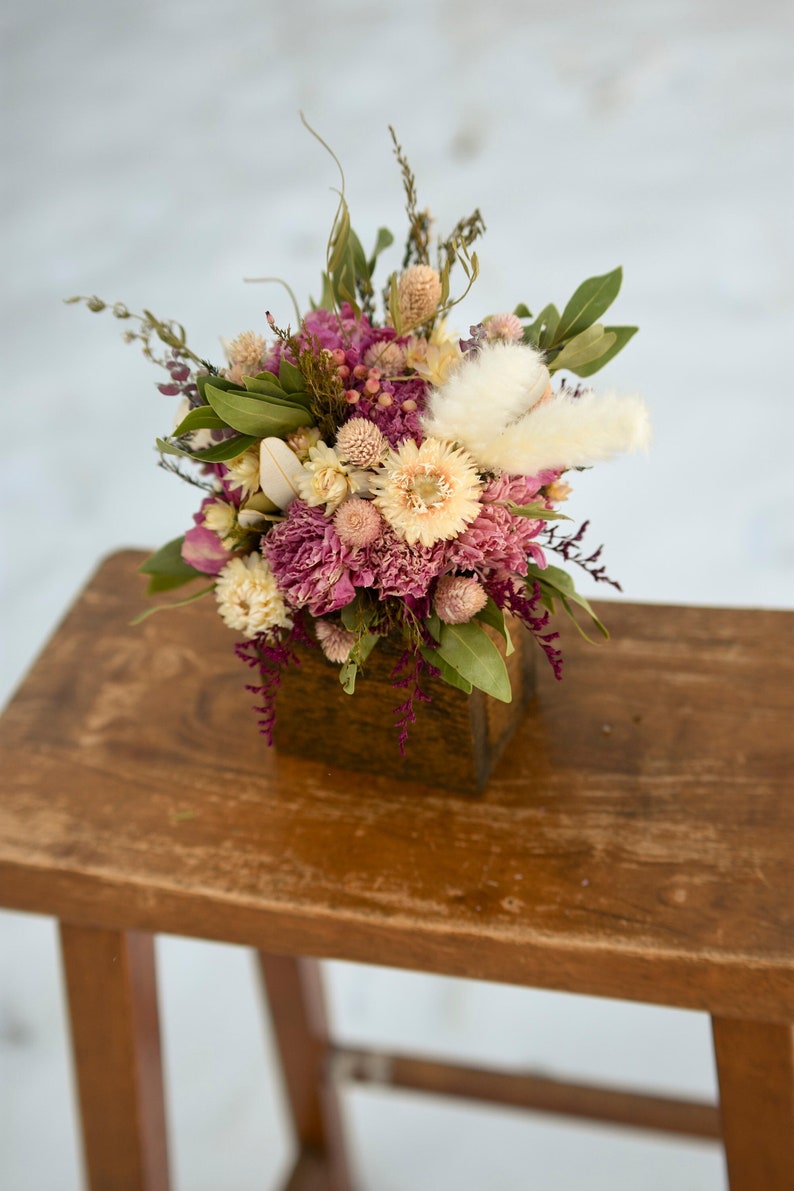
(418, 294)
(358, 523)
(389, 357)
(361, 443)
(335, 641)
(458, 598)
(247, 351)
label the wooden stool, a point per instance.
(637, 841)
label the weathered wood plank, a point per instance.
(640, 822)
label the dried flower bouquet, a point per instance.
(367, 478)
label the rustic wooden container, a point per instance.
(455, 742)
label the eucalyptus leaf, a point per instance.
(448, 673)
(559, 584)
(257, 416)
(622, 336)
(160, 583)
(585, 348)
(290, 377)
(383, 240)
(541, 332)
(588, 303)
(222, 452)
(394, 303)
(200, 418)
(168, 560)
(493, 615)
(522, 311)
(347, 676)
(220, 382)
(469, 650)
(536, 512)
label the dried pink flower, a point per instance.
(389, 357)
(505, 326)
(498, 541)
(358, 523)
(309, 561)
(335, 641)
(459, 598)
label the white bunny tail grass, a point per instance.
(570, 431)
(485, 394)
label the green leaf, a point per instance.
(168, 561)
(347, 676)
(360, 266)
(394, 303)
(559, 584)
(177, 604)
(589, 302)
(383, 240)
(522, 311)
(257, 416)
(222, 452)
(622, 336)
(583, 349)
(219, 382)
(541, 332)
(447, 672)
(469, 650)
(290, 378)
(433, 626)
(160, 583)
(493, 615)
(200, 418)
(536, 512)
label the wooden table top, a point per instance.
(637, 839)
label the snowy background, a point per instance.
(153, 153)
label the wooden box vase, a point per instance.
(455, 742)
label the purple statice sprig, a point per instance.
(569, 546)
(408, 673)
(271, 656)
(526, 606)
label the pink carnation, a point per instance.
(310, 563)
(405, 571)
(498, 541)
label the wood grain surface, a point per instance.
(636, 839)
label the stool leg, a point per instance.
(297, 1009)
(755, 1067)
(110, 982)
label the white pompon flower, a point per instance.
(249, 600)
(427, 493)
(326, 480)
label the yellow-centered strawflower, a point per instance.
(427, 493)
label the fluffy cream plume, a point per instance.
(570, 431)
(485, 394)
(499, 406)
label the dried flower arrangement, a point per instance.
(369, 479)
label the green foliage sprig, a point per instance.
(167, 331)
(575, 340)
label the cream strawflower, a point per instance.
(326, 480)
(435, 358)
(427, 493)
(221, 518)
(248, 598)
(244, 472)
(302, 440)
